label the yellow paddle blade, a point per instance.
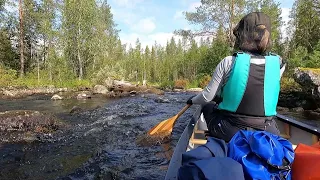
(166, 126)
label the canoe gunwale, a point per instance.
(181, 147)
(300, 125)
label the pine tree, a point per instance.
(306, 25)
(314, 61)
(213, 13)
(8, 57)
(21, 37)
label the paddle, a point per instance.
(166, 126)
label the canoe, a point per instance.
(193, 135)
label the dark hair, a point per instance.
(253, 33)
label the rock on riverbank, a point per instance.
(309, 79)
(109, 89)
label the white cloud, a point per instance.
(145, 26)
(193, 6)
(127, 17)
(161, 38)
(127, 3)
(285, 12)
(178, 15)
(147, 40)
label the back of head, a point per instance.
(253, 33)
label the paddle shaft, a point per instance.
(183, 110)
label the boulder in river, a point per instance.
(56, 97)
(100, 89)
(83, 95)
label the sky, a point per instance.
(155, 20)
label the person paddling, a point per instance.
(248, 83)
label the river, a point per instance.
(100, 142)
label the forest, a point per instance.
(76, 43)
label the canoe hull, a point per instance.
(193, 135)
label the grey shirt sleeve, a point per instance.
(282, 66)
(218, 80)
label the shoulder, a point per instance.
(228, 60)
(282, 61)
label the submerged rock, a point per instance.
(25, 125)
(162, 100)
(75, 109)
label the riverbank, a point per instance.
(110, 90)
(295, 95)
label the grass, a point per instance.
(9, 77)
(34, 83)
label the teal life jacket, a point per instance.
(252, 88)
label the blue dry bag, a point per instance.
(263, 155)
(210, 162)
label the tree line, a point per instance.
(56, 41)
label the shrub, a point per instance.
(115, 71)
(193, 84)
(7, 76)
(167, 85)
(181, 83)
(289, 84)
(204, 81)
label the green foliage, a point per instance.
(167, 84)
(298, 57)
(181, 83)
(289, 84)
(115, 71)
(314, 61)
(217, 12)
(31, 80)
(204, 81)
(6, 76)
(213, 56)
(2, 2)
(193, 84)
(70, 40)
(305, 22)
(8, 56)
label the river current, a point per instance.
(100, 142)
